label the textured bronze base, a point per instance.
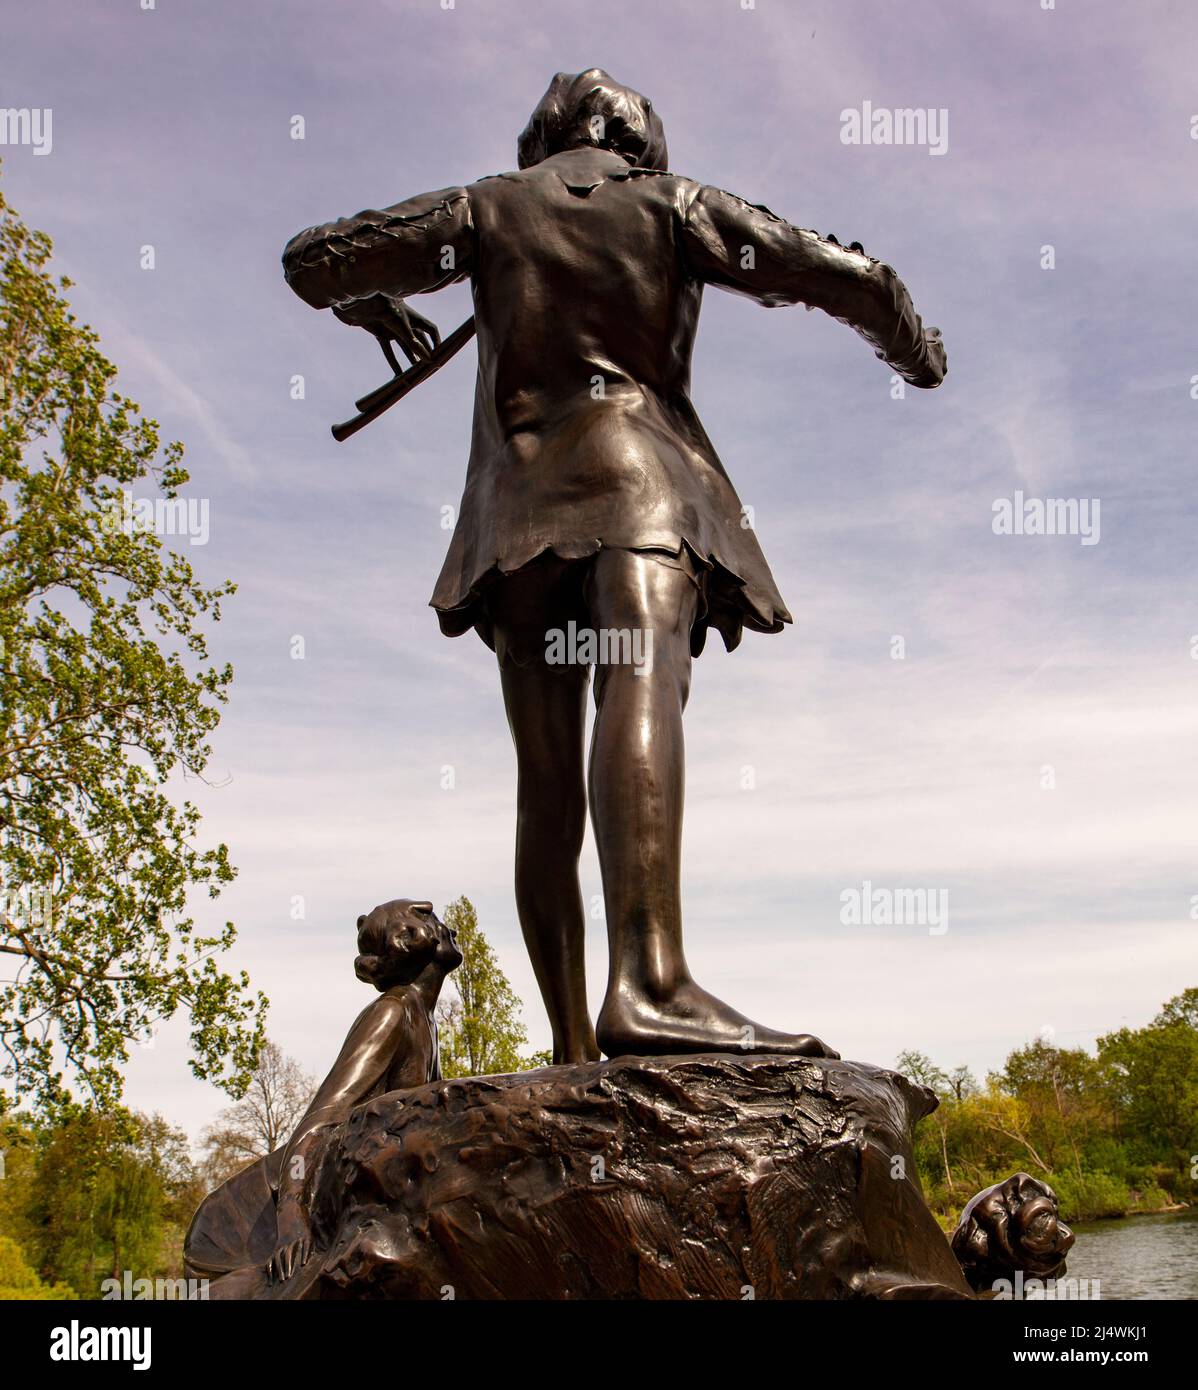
(698, 1177)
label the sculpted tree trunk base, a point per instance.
(701, 1177)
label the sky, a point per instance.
(1030, 751)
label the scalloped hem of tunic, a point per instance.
(728, 606)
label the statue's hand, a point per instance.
(935, 364)
(294, 1243)
(389, 319)
(937, 357)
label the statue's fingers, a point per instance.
(409, 350)
(415, 348)
(384, 341)
(429, 333)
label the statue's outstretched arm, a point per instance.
(748, 250)
(418, 245)
(361, 267)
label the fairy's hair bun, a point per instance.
(371, 968)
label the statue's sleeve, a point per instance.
(418, 245)
(749, 250)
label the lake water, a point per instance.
(1139, 1256)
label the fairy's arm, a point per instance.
(364, 1058)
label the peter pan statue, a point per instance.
(594, 497)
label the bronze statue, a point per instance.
(405, 951)
(793, 1177)
(595, 504)
(769, 1172)
(598, 527)
(1014, 1226)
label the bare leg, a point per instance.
(546, 711)
(636, 791)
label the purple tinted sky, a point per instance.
(1068, 909)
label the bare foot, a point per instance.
(692, 1020)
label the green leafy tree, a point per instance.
(18, 1178)
(1182, 1008)
(19, 1281)
(91, 1195)
(1154, 1081)
(167, 1151)
(106, 695)
(1062, 1091)
(920, 1068)
(99, 1203)
(1112, 1133)
(480, 1030)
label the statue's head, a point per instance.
(590, 108)
(399, 939)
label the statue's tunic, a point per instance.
(587, 278)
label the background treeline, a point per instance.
(90, 1196)
(1113, 1131)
